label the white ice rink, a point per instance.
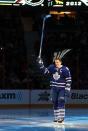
(42, 120)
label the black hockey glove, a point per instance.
(39, 61)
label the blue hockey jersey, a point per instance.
(59, 77)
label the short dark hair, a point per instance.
(58, 59)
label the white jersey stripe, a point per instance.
(58, 86)
(68, 78)
(57, 83)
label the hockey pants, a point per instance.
(58, 100)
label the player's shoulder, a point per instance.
(65, 68)
(51, 66)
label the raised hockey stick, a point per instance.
(47, 16)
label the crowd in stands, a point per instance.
(12, 53)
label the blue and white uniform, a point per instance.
(60, 83)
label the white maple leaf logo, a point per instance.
(56, 76)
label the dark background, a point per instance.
(20, 35)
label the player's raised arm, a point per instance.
(43, 69)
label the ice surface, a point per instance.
(42, 120)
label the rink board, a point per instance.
(39, 98)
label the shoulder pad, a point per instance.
(51, 66)
(67, 68)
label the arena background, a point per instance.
(21, 83)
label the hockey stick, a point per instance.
(47, 16)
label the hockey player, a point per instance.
(60, 83)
